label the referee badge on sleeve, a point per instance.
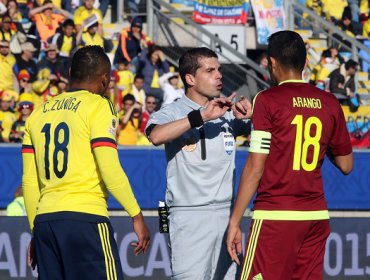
(229, 142)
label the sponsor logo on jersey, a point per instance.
(258, 277)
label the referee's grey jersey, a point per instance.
(201, 162)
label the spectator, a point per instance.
(7, 62)
(129, 121)
(169, 83)
(42, 91)
(25, 61)
(25, 107)
(328, 65)
(152, 65)
(6, 31)
(65, 40)
(57, 3)
(125, 77)
(46, 20)
(254, 85)
(90, 37)
(149, 108)
(71, 5)
(52, 61)
(16, 207)
(333, 9)
(138, 88)
(7, 117)
(112, 91)
(347, 94)
(86, 11)
(62, 84)
(16, 11)
(24, 84)
(131, 42)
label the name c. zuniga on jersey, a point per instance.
(70, 104)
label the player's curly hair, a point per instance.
(189, 62)
(288, 48)
(89, 62)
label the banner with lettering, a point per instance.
(270, 18)
(346, 254)
(358, 125)
(221, 12)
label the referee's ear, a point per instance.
(190, 79)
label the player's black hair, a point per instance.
(88, 63)
(189, 62)
(288, 48)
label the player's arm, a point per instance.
(249, 181)
(30, 182)
(340, 149)
(164, 133)
(119, 186)
(343, 163)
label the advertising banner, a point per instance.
(347, 253)
(269, 16)
(221, 12)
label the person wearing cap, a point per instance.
(86, 11)
(7, 61)
(169, 83)
(25, 108)
(131, 41)
(7, 117)
(26, 60)
(47, 20)
(53, 62)
(24, 81)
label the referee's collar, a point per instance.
(190, 103)
(292, 81)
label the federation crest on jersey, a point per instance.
(229, 142)
(112, 129)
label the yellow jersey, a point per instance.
(6, 72)
(82, 13)
(61, 135)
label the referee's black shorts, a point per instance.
(76, 246)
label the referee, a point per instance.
(70, 161)
(199, 133)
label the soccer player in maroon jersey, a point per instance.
(294, 125)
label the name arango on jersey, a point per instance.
(306, 102)
(70, 104)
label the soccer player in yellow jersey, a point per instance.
(70, 161)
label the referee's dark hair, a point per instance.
(288, 48)
(88, 63)
(189, 62)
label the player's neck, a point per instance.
(288, 75)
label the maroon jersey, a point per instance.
(304, 122)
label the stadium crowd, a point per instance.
(34, 64)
